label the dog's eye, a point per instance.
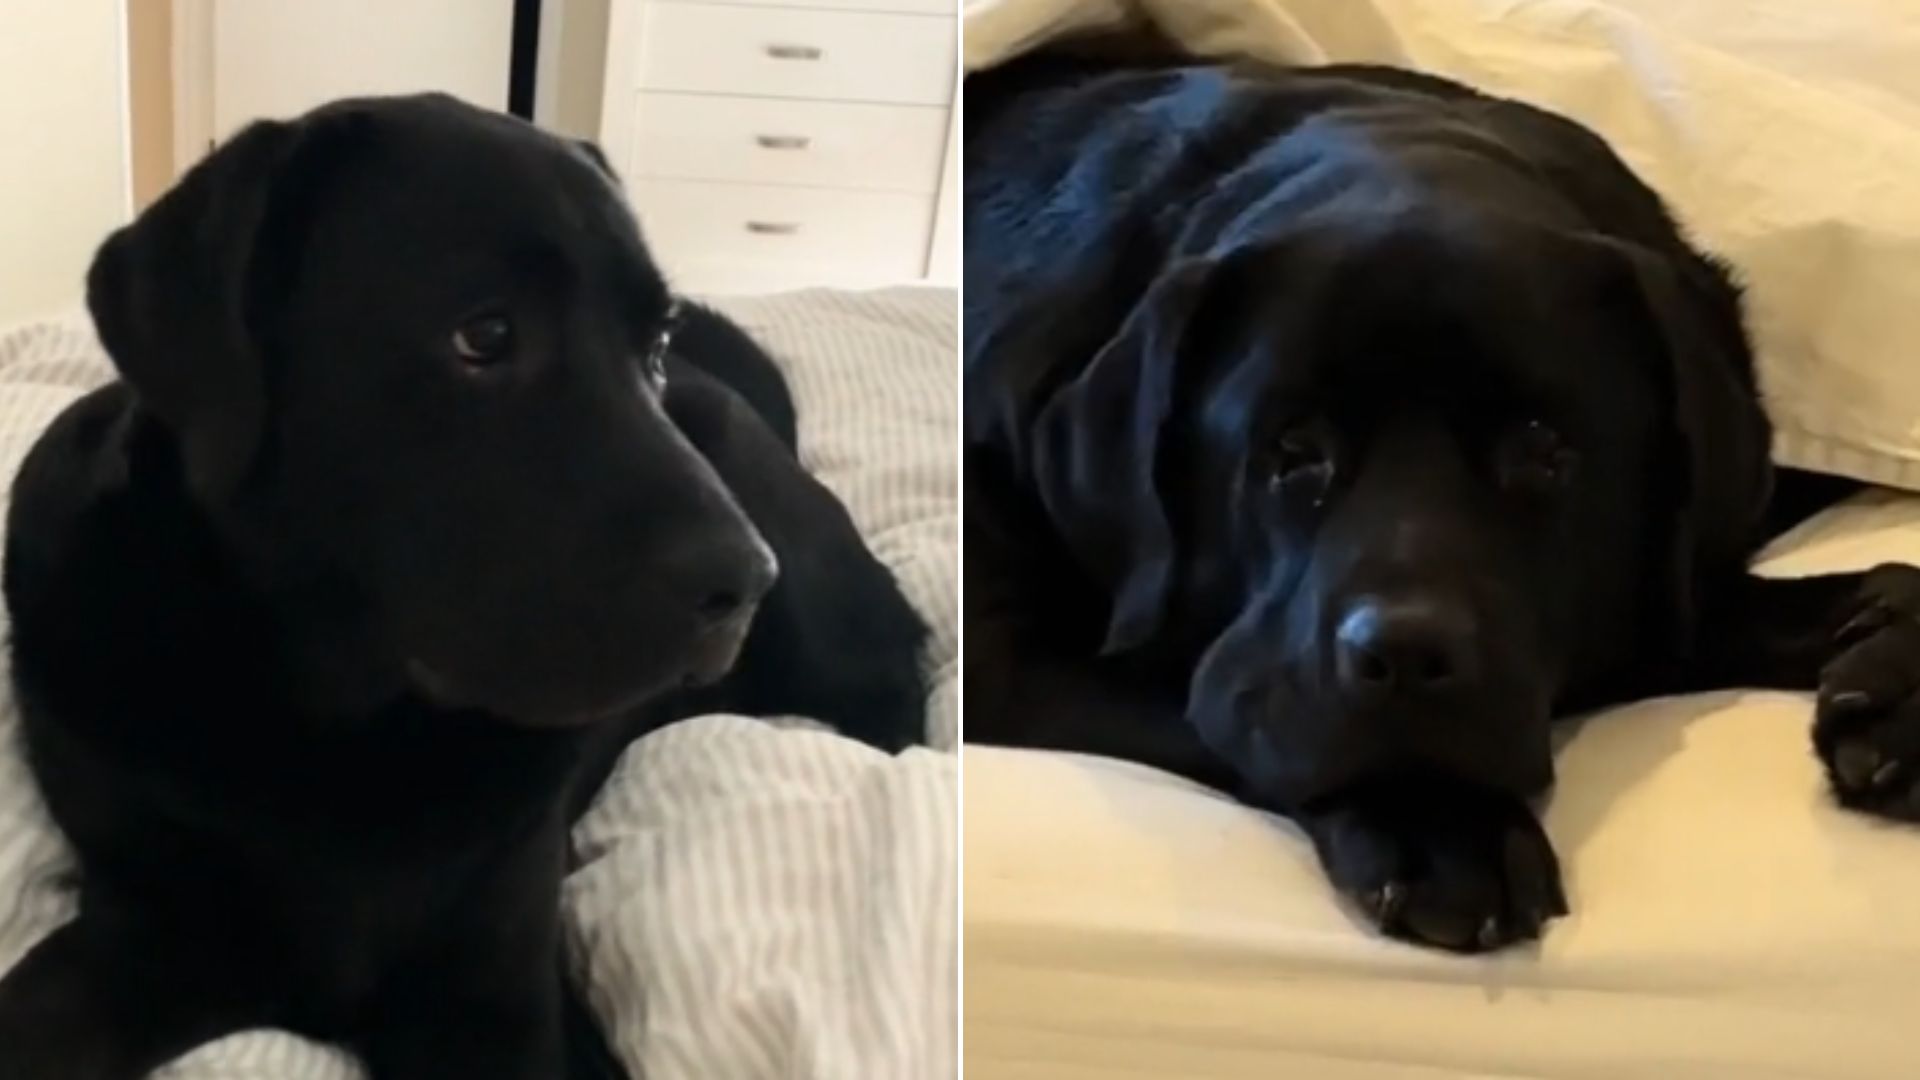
(1300, 448)
(1297, 450)
(1300, 457)
(1534, 457)
(483, 339)
(654, 366)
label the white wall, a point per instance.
(573, 61)
(281, 57)
(63, 147)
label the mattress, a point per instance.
(757, 899)
(1728, 919)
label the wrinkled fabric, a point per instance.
(1729, 921)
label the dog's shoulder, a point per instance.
(77, 465)
(79, 451)
(104, 552)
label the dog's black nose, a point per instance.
(728, 581)
(1409, 645)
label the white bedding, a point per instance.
(758, 900)
(1728, 920)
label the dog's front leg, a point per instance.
(464, 1038)
(481, 996)
(463, 1021)
(106, 999)
(1855, 638)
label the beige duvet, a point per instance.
(1728, 921)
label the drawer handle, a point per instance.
(783, 142)
(773, 228)
(794, 52)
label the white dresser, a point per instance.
(773, 144)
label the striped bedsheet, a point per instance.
(756, 899)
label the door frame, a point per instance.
(192, 81)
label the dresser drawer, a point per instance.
(918, 7)
(708, 48)
(777, 141)
(820, 236)
(707, 276)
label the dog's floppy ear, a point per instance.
(1096, 445)
(1722, 477)
(170, 296)
(597, 156)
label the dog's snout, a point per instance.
(1404, 645)
(724, 595)
(719, 605)
(726, 582)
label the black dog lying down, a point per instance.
(331, 616)
(1331, 431)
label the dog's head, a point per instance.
(1402, 463)
(408, 353)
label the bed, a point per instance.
(1729, 921)
(756, 899)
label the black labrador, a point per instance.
(1332, 431)
(418, 499)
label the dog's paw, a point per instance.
(1467, 871)
(1867, 721)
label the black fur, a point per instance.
(326, 623)
(1330, 432)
